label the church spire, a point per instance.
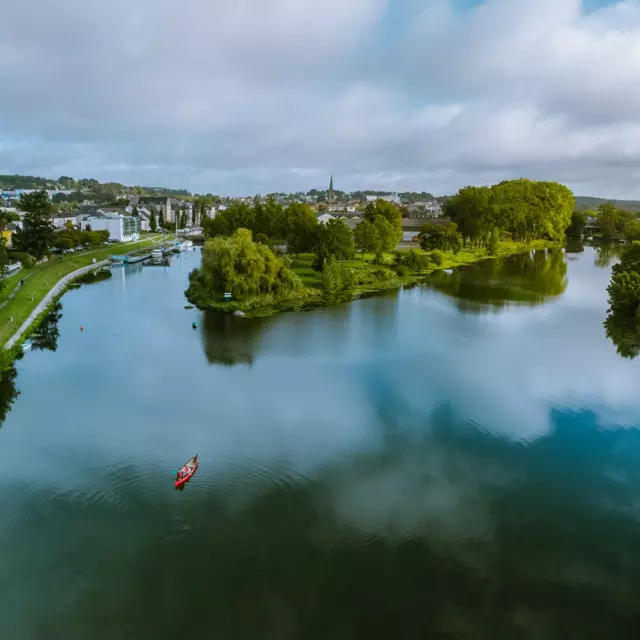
(331, 194)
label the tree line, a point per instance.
(525, 209)
(379, 230)
(611, 223)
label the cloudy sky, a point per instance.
(249, 96)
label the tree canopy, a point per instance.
(526, 209)
(624, 289)
(440, 237)
(242, 267)
(386, 218)
(334, 241)
(38, 233)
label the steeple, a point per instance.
(332, 196)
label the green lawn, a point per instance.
(40, 279)
(302, 264)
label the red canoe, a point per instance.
(185, 474)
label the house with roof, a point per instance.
(144, 213)
(323, 218)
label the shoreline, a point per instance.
(264, 306)
(25, 304)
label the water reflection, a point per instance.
(624, 332)
(574, 245)
(228, 340)
(8, 392)
(607, 253)
(445, 534)
(46, 337)
(525, 279)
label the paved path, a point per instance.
(55, 290)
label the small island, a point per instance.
(337, 260)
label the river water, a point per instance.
(458, 460)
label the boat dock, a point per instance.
(132, 258)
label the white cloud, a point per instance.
(249, 96)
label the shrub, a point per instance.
(402, 270)
(436, 257)
(26, 259)
(332, 277)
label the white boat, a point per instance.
(157, 254)
(186, 245)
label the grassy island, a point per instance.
(300, 282)
(333, 261)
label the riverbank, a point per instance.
(369, 279)
(22, 300)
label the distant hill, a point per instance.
(585, 203)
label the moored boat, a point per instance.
(186, 472)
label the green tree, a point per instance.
(440, 237)
(334, 241)
(387, 234)
(332, 277)
(471, 209)
(302, 226)
(242, 267)
(38, 233)
(608, 221)
(387, 219)
(578, 223)
(161, 221)
(493, 245)
(366, 237)
(153, 222)
(624, 288)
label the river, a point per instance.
(457, 460)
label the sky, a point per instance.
(257, 96)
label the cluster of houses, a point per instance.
(125, 222)
(351, 212)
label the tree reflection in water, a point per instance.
(229, 341)
(624, 332)
(8, 392)
(48, 332)
(607, 253)
(525, 279)
(46, 338)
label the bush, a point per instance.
(436, 257)
(26, 259)
(332, 277)
(402, 270)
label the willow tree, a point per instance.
(240, 266)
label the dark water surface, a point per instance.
(460, 461)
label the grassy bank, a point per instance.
(40, 279)
(367, 279)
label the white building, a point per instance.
(60, 220)
(393, 198)
(323, 218)
(121, 228)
